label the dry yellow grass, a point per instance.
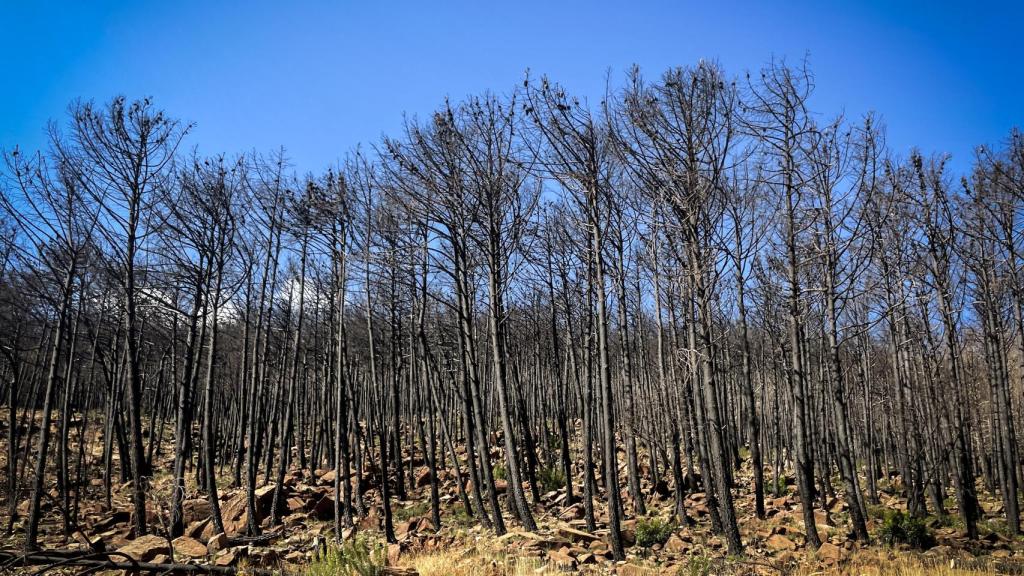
(454, 563)
(476, 562)
(886, 563)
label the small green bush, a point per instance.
(945, 521)
(551, 478)
(698, 565)
(413, 510)
(653, 530)
(780, 485)
(499, 472)
(357, 556)
(460, 516)
(900, 528)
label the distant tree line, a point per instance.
(631, 296)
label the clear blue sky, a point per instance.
(320, 77)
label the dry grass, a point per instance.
(886, 563)
(455, 563)
(476, 562)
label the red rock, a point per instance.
(195, 509)
(394, 554)
(778, 542)
(189, 547)
(829, 553)
(295, 504)
(145, 548)
(561, 560)
(676, 545)
(576, 535)
(217, 542)
(226, 558)
(323, 509)
(196, 529)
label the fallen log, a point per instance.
(50, 559)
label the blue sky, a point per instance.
(320, 77)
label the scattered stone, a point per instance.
(145, 548)
(295, 504)
(676, 545)
(295, 556)
(189, 546)
(217, 542)
(371, 521)
(561, 560)
(778, 543)
(195, 509)
(118, 517)
(574, 512)
(394, 554)
(324, 508)
(196, 529)
(226, 557)
(830, 553)
(574, 535)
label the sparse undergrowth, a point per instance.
(357, 556)
(653, 530)
(899, 528)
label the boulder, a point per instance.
(676, 545)
(574, 535)
(226, 558)
(295, 504)
(324, 508)
(189, 546)
(371, 521)
(574, 512)
(195, 509)
(821, 518)
(394, 554)
(118, 517)
(196, 529)
(235, 512)
(627, 532)
(778, 543)
(145, 548)
(561, 560)
(829, 553)
(217, 543)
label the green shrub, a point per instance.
(413, 510)
(900, 528)
(460, 516)
(779, 486)
(499, 472)
(877, 511)
(551, 478)
(945, 521)
(653, 530)
(697, 565)
(554, 443)
(357, 556)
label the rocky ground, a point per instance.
(561, 543)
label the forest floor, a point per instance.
(300, 545)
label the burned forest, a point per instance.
(697, 326)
